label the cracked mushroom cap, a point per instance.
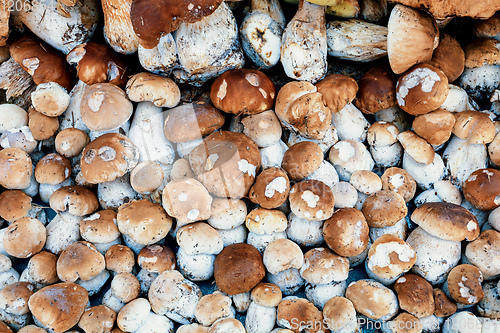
(108, 157)
(98, 318)
(143, 221)
(199, 238)
(382, 133)
(312, 200)
(187, 200)
(377, 90)
(302, 159)
(100, 227)
(418, 149)
(444, 307)
(296, 313)
(42, 268)
(399, 181)
(75, 199)
(435, 127)
(421, 89)
(372, 299)
(156, 258)
(52, 169)
(415, 295)
(161, 91)
(119, 259)
(474, 126)
(389, 256)
(16, 168)
(282, 254)
(338, 313)
(482, 189)
(80, 260)
(14, 298)
(24, 237)
(212, 307)
(265, 221)
(337, 90)
(411, 38)
(446, 221)
(243, 91)
(14, 204)
(480, 251)
(449, 57)
(346, 232)
(71, 141)
(464, 284)
(105, 107)
(98, 63)
(59, 307)
(322, 266)
(384, 209)
(270, 189)
(238, 268)
(482, 51)
(266, 294)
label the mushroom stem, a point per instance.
(5, 9)
(118, 30)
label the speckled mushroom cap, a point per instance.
(42, 127)
(346, 232)
(482, 51)
(301, 312)
(14, 204)
(443, 306)
(24, 237)
(119, 259)
(71, 141)
(265, 221)
(17, 169)
(435, 127)
(108, 157)
(379, 214)
(322, 266)
(199, 238)
(266, 294)
(338, 313)
(143, 221)
(416, 147)
(482, 189)
(100, 227)
(337, 90)
(474, 126)
(14, 298)
(187, 200)
(282, 254)
(80, 260)
(243, 91)
(58, 307)
(238, 268)
(449, 57)
(302, 159)
(372, 299)
(98, 318)
(377, 90)
(156, 258)
(270, 189)
(52, 169)
(399, 181)
(226, 163)
(75, 199)
(382, 133)
(212, 307)
(446, 221)
(312, 200)
(415, 295)
(480, 251)
(464, 284)
(389, 256)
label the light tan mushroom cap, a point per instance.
(346, 232)
(464, 284)
(372, 299)
(338, 312)
(270, 189)
(415, 295)
(480, 251)
(98, 318)
(100, 227)
(24, 237)
(469, 8)
(75, 199)
(264, 221)
(71, 141)
(125, 286)
(199, 238)
(227, 325)
(365, 181)
(16, 169)
(146, 177)
(405, 323)
(399, 181)
(212, 307)
(322, 266)
(474, 126)
(281, 255)
(119, 259)
(384, 209)
(187, 200)
(415, 146)
(312, 200)
(192, 328)
(80, 260)
(14, 298)
(14, 204)
(382, 133)
(266, 294)
(161, 91)
(31, 329)
(156, 258)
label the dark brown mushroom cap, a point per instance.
(98, 63)
(482, 189)
(489, 27)
(238, 268)
(302, 159)
(449, 57)
(377, 90)
(151, 19)
(243, 91)
(41, 61)
(415, 295)
(270, 189)
(337, 90)
(450, 8)
(443, 306)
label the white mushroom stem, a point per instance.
(63, 230)
(304, 46)
(198, 267)
(72, 116)
(319, 294)
(260, 319)
(162, 58)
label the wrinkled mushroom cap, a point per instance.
(80, 260)
(415, 295)
(75, 199)
(14, 204)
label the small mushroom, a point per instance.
(270, 189)
(261, 313)
(372, 299)
(312, 200)
(212, 307)
(415, 295)
(302, 159)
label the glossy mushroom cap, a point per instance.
(482, 189)
(302, 159)
(270, 189)
(377, 90)
(415, 295)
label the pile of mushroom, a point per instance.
(253, 166)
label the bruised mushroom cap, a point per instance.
(14, 204)
(100, 227)
(377, 90)
(119, 259)
(16, 168)
(302, 159)
(193, 121)
(415, 295)
(199, 238)
(161, 91)
(42, 268)
(71, 141)
(264, 221)
(444, 307)
(266, 294)
(312, 200)
(187, 200)
(422, 89)
(270, 189)
(416, 147)
(238, 268)
(482, 51)
(154, 19)
(372, 299)
(59, 307)
(338, 313)
(322, 266)
(449, 57)
(98, 318)
(346, 232)
(390, 256)
(446, 221)
(382, 133)
(384, 209)
(14, 298)
(24, 237)
(482, 189)
(411, 38)
(474, 126)
(52, 169)
(464, 284)
(143, 221)
(156, 258)
(435, 127)
(105, 107)
(282, 254)
(297, 313)
(41, 61)
(98, 63)
(75, 199)
(108, 157)
(243, 91)
(480, 251)
(337, 90)
(80, 260)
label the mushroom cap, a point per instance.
(406, 323)
(227, 213)
(416, 147)
(75, 199)
(14, 298)
(444, 307)
(390, 256)
(415, 295)
(265, 221)
(146, 177)
(270, 189)
(411, 38)
(161, 91)
(98, 63)
(80, 260)
(42, 127)
(16, 169)
(58, 307)
(322, 266)
(302, 159)
(187, 200)
(24, 237)
(28, 329)
(51, 99)
(482, 189)
(5, 328)
(71, 141)
(125, 287)
(346, 232)
(312, 200)
(489, 27)
(100, 227)
(442, 10)
(337, 90)
(199, 238)
(338, 313)
(421, 89)
(382, 133)
(105, 107)
(192, 328)
(156, 258)
(482, 51)
(435, 127)
(42, 268)
(212, 307)
(120, 259)
(243, 91)
(474, 126)
(372, 299)
(365, 181)
(464, 284)
(14, 204)
(282, 254)
(143, 221)
(399, 181)
(98, 318)
(297, 313)
(446, 221)
(263, 128)
(238, 268)
(379, 213)
(266, 294)
(52, 169)
(226, 163)
(227, 325)
(377, 90)
(133, 315)
(188, 122)
(480, 251)
(449, 57)
(108, 157)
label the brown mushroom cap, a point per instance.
(4, 328)
(16, 169)
(71, 141)
(297, 313)
(266, 221)
(382, 133)
(243, 91)
(108, 157)
(238, 268)
(365, 181)
(372, 299)
(24, 237)
(489, 27)
(312, 200)
(80, 260)
(189, 122)
(337, 90)
(442, 10)
(449, 57)
(302, 159)
(98, 318)
(384, 209)
(322, 266)
(14, 204)
(14, 298)
(390, 256)
(100, 227)
(212, 307)
(399, 181)
(59, 307)
(119, 259)
(435, 127)
(377, 90)
(30, 329)
(266, 294)
(418, 149)
(42, 268)
(482, 189)
(446, 221)
(444, 307)
(161, 91)
(270, 189)
(146, 177)
(75, 199)
(482, 51)
(464, 284)
(338, 313)
(156, 258)
(405, 323)
(52, 169)
(415, 295)
(187, 200)
(41, 126)
(474, 126)
(346, 232)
